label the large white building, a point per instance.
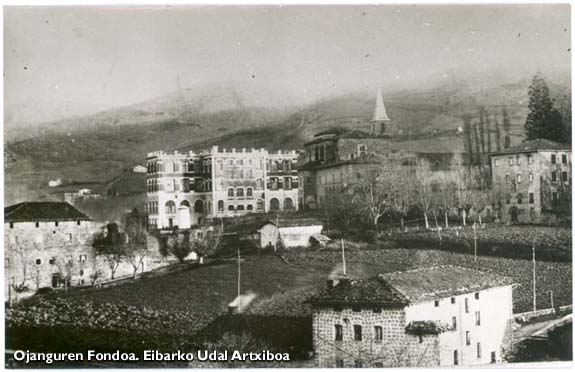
(185, 188)
(438, 316)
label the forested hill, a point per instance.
(113, 144)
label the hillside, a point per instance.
(114, 143)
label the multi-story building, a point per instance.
(438, 316)
(337, 158)
(534, 179)
(186, 188)
(46, 243)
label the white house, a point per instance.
(139, 169)
(289, 232)
(55, 183)
(437, 316)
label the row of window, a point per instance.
(259, 206)
(279, 166)
(174, 166)
(184, 184)
(37, 224)
(519, 197)
(516, 160)
(239, 192)
(68, 261)
(477, 353)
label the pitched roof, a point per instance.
(534, 146)
(380, 113)
(42, 211)
(437, 282)
(293, 222)
(367, 292)
(409, 287)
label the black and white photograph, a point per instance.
(287, 185)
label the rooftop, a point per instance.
(293, 222)
(437, 282)
(43, 211)
(410, 287)
(534, 146)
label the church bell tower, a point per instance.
(380, 122)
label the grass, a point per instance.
(282, 288)
(208, 289)
(551, 276)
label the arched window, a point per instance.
(199, 206)
(185, 203)
(220, 205)
(249, 192)
(250, 207)
(170, 207)
(230, 208)
(240, 208)
(274, 204)
(288, 204)
(260, 205)
(230, 192)
(240, 192)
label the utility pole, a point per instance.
(239, 278)
(552, 304)
(343, 256)
(474, 243)
(534, 281)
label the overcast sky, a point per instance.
(63, 61)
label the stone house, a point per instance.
(50, 244)
(438, 316)
(44, 242)
(534, 180)
(338, 157)
(290, 232)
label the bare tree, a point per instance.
(497, 134)
(423, 188)
(506, 129)
(109, 246)
(463, 190)
(405, 192)
(376, 191)
(179, 247)
(344, 208)
(136, 246)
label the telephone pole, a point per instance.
(343, 256)
(534, 281)
(239, 278)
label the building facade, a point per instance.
(338, 158)
(46, 242)
(186, 188)
(290, 232)
(439, 316)
(534, 179)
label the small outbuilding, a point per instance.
(139, 169)
(289, 232)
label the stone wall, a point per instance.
(396, 348)
(43, 254)
(36, 251)
(535, 178)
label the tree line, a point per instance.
(397, 189)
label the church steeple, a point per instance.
(380, 118)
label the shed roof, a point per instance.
(42, 211)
